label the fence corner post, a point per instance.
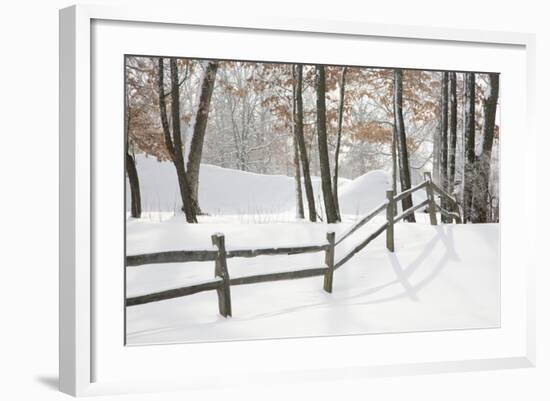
(390, 213)
(431, 200)
(223, 290)
(329, 260)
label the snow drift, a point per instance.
(225, 191)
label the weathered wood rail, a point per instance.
(222, 282)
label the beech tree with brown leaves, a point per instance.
(277, 118)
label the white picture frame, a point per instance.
(82, 343)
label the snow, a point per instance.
(364, 193)
(245, 197)
(222, 191)
(440, 277)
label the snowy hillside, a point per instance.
(225, 191)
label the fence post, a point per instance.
(390, 216)
(431, 200)
(223, 290)
(329, 260)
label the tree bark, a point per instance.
(481, 192)
(199, 130)
(299, 130)
(437, 153)
(131, 170)
(134, 185)
(338, 141)
(330, 209)
(469, 146)
(298, 181)
(444, 126)
(452, 131)
(394, 159)
(297, 175)
(404, 170)
(174, 145)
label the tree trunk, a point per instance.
(298, 181)
(199, 130)
(299, 130)
(394, 160)
(481, 187)
(437, 153)
(297, 175)
(404, 171)
(452, 132)
(131, 171)
(338, 141)
(443, 171)
(174, 146)
(134, 185)
(469, 147)
(330, 209)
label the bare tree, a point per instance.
(469, 146)
(199, 130)
(330, 209)
(452, 131)
(404, 170)
(482, 199)
(299, 133)
(133, 177)
(131, 170)
(297, 174)
(444, 126)
(173, 140)
(338, 140)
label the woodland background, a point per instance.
(313, 120)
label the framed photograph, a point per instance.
(346, 193)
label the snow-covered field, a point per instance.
(440, 277)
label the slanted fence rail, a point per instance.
(222, 282)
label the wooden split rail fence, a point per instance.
(222, 282)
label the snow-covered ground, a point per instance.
(440, 277)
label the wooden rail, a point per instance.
(222, 282)
(171, 257)
(361, 245)
(363, 221)
(287, 275)
(450, 215)
(399, 197)
(251, 253)
(410, 211)
(453, 214)
(174, 293)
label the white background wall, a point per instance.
(29, 200)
